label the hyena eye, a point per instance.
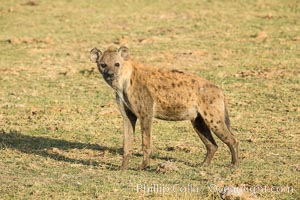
(103, 65)
(117, 64)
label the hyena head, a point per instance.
(110, 63)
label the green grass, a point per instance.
(61, 133)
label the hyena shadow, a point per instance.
(42, 146)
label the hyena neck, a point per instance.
(123, 83)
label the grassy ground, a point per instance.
(60, 131)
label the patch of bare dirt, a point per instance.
(31, 3)
(297, 38)
(123, 40)
(68, 70)
(265, 73)
(181, 147)
(186, 55)
(238, 195)
(261, 36)
(28, 40)
(239, 192)
(166, 167)
(146, 40)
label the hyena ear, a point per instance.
(95, 55)
(124, 51)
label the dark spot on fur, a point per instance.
(174, 85)
(193, 80)
(211, 102)
(159, 87)
(211, 121)
(140, 107)
(131, 81)
(205, 113)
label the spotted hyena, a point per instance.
(146, 92)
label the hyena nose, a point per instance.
(108, 73)
(111, 73)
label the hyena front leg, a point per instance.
(129, 121)
(146, 126)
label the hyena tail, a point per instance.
(227, 120)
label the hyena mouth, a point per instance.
(108, 76)
(111, 77)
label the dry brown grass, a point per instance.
(61, 134)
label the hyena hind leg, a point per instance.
(205, 135)
(223, 133)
